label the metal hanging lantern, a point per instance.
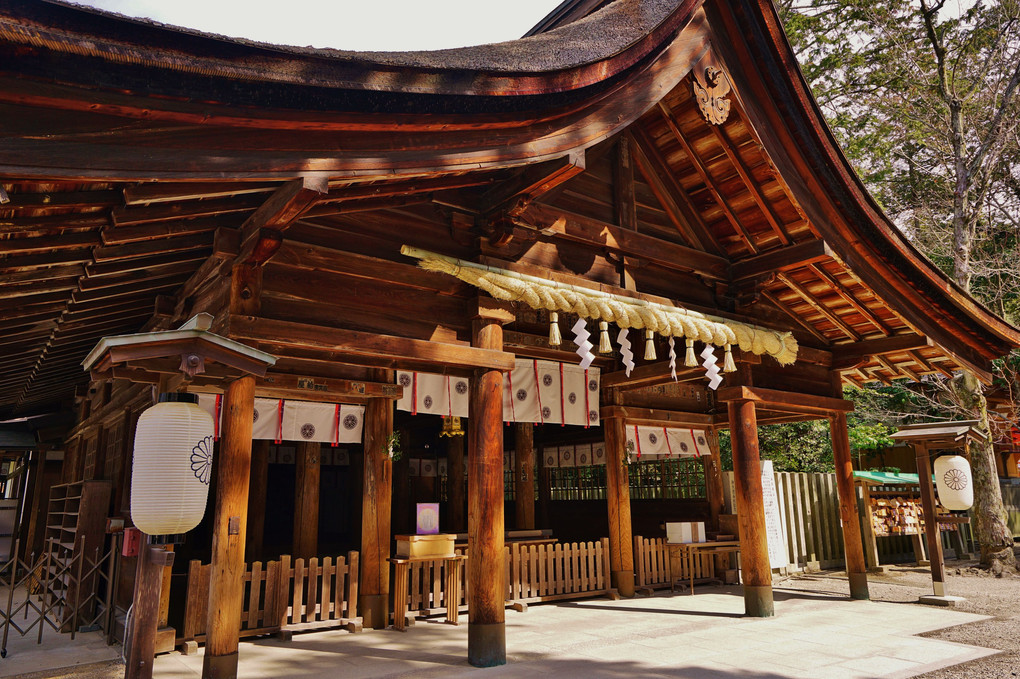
(451, 426)
(172, 466)
(954, 482)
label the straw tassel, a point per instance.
(650, 345)
(691, 359)
(555, 338)
(605, 346)
(728, 365)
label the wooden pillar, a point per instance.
(524, 476)
(34, 509)
(152, 567)
(931, 524)
(455, 500)
(226, 577)
(306, 500)
(870, 543)
(750, 507)
(712, 464)
(486, 566)
(856, 568)
(376, 501)
(621, 541)
(258, 487)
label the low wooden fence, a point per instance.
(652, 566)
(280, 595)
(534, 573)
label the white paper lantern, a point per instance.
(172, 466)
(954, 481)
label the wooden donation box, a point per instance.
(438, 546)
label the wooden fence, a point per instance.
(809, 512)
(280, 595)
(533, 573)
(652, 566)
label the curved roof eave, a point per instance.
(545, 97)
(750, 38)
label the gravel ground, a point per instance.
(986, 594)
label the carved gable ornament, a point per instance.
(711, 85)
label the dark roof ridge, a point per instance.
(599, 36)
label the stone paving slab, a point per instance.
(676, 637)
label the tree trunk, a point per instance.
(991, 530)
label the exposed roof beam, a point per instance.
(262, 232)
(129, 216)
(786, 401)
(580, 229)
(169, 192)
(845, 356)
(781, 259)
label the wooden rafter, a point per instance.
(674, 200)
(732, 152)
(706, 177)
(850, 299)
(811, 329)
(819, 307)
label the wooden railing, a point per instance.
(279, 595)
(652, 568)
(544, 572)
(557, 571)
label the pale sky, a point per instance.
(398, 25)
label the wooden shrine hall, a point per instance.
(640, 196)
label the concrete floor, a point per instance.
(704, 636)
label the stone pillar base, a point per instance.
(487, 644)
(374, 610)
(758, 601)
(219, 666)
(859, 586)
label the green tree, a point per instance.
(924, 101)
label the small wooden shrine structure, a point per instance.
(927, 438)
(661, 160)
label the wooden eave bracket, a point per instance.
(786, 401)
(141, 357)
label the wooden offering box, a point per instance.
(438, 546)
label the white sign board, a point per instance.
(773, 517)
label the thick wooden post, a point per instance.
(486, 566)
(145, 609)
(455, 499)
(226, 576)
(712, 465)
(258, 487)
(306, 500)
(931, 524)
(524, 476)
(856, 568)
(377, 496)
(621, 541)
(754, 551)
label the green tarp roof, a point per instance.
(887, 478)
